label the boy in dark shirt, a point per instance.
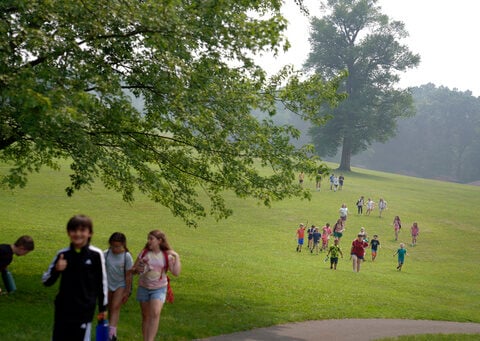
(21, 247)
(375, 244)
(83, 282)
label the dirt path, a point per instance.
(350, 329)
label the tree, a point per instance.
(72, 71)
(356, 37)
(442, 141)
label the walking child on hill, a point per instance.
(401, 252)
(119, 263)
(375, 245)
(83, 283)
(397, 225)
(358, 252)
(333, 252)
(415, 231)
(326, 232)
(300, 234)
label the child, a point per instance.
(370, 206)
(375, 244)
(326, 232)
(333, 253)
(318, 179)
(300, 236)
(341, 179)
(397, 225)
(335, 183)
(382, 206)
(118, 262)
(359, 204)
(83, 282)
(310, 231)
(363, 232)
(415, 231)
(21, 247)
(401, 252)
(358, 252)
(343, 213)
(152, 264)
(338, 229)
(316, 240)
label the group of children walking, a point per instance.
(359, 244)
(90, 277)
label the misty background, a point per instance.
(442, 141)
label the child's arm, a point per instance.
(101, 281)
(51, 275)
(174, 264)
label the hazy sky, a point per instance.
(444, 32)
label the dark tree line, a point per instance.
(441, 141)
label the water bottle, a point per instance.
(9, 281)
(102, 330)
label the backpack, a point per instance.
(170, 298)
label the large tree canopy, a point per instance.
(355, 36)
(71, 72)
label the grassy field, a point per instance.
(243, 272)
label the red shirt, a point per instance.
(301, 232)
(358, 247)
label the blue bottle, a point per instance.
(8, 281)
(102, 330)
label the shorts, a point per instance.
(334, 260)
(145, 295)
(300, 241)
(359, 257)
(374, 252)
(337, 234)
(343, 218)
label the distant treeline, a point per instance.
(442, 141)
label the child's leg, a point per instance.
(115, 301)
(354, 263)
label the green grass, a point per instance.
(243, 272)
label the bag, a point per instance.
(9, 281)
(170, 298)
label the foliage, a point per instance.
(441, 141)
(72, 72)
(355, 36)
(245, 272)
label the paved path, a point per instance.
(350, 329)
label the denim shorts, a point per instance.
(145, 295)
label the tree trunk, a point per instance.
(346, 154)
